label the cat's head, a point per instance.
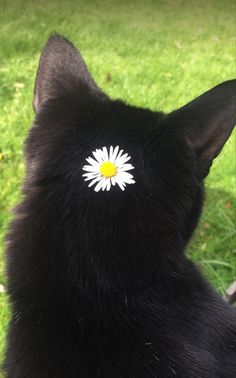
(154, 191)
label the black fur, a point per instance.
(98, 282)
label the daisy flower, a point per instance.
(107, 168)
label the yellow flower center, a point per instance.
(108, 169)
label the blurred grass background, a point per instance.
(156, 54)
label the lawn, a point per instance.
(156, 54)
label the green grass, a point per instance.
(156, 54)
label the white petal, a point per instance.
(90, 176)
(97, 156)
(94, 181)
(100, 154)
(105, 184)
(90, 168)
(108, 184)
(126, 177)
(93, 162)
(125, 167)
(111, 153)
(105, 154)
(114, 155)
(119, 154)
(99, 185)
(122, 160)
(113, 180)
(120, 183)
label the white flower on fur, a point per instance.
(108, 168)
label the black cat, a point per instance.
(98, 281)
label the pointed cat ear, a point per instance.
(60, 67)
(208, 121)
